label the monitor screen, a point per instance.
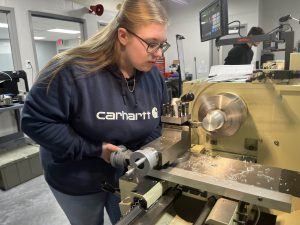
(214, 20)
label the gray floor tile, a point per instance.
(32, 203)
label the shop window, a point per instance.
(6, 56)
(54, 34)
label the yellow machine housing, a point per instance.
(269, 133)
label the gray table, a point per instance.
(17, 135)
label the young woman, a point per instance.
(93, 98)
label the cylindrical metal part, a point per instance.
(222, 114)
(129, 172)
(179, 110)
(187, 108)
(140, 161)
(173, 110)
(175, 102)
(183, 113)
(164, 110)
(168, 109)
(213, 120)
(149, 158)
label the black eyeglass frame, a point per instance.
(163, 46)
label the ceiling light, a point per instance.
(4, 25)
(64, 31)
(39, 38)
(182, 2)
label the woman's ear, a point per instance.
(122, 36)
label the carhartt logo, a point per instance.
(154, 113)
(127, 116)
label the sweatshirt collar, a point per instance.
(116, 72)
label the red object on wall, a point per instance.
(59, 42)
(161, 65)
(96, 9)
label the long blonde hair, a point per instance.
(103, 48)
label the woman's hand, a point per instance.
(107, 149)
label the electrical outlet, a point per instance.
(28, 64)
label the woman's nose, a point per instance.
(158, 53)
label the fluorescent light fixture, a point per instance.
(39, 38)
(182, 2)
(64, 31)
(4, 25)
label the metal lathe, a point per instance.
(228, 154)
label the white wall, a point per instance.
(185, 21)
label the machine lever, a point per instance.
(129, 172)
(187, 97)
(137, 163)
(140, 161)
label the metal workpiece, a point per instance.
(165, 150)
(243, 181)
(214, 120)
(142, 161)
(222, 114)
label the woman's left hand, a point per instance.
(107, 149)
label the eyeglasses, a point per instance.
(152, 47)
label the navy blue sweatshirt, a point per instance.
(240, 54)
(78, 113)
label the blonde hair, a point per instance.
(103, 48)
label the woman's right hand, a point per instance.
(107, 149)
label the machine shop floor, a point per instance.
(32, 203)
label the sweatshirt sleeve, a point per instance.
(45, 119)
